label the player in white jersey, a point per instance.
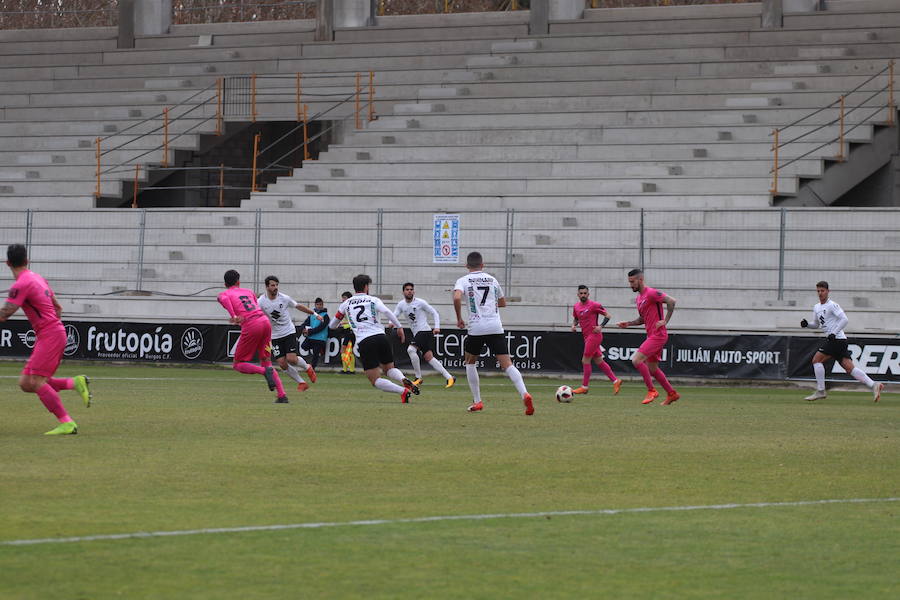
(362, 312)
(484, 298)
(416, 311)
(829, 316)
(277, 307)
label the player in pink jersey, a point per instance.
(586, 312)
(256, 332)
(646, 359)
(33, 295)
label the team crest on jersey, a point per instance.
(13, 293)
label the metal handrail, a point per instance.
(130, 165)
(839, 120)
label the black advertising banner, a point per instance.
(879, 358)
(125, 341)
(764, 357)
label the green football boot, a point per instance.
(83, 387)
(69, 428)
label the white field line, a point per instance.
(482, 517)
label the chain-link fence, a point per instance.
(737, 258)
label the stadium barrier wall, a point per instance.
(722, 356)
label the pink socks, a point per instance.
(248, 369)
(661, 378)
(644, 370)
(61, 383)
(51, 400)
(607, 370)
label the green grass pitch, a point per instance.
(170, 449)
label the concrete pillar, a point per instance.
(772, 14)
(353, 13)
(126, 24)
(539, 23)
(152, 17)
(325, 21)
(566, 10)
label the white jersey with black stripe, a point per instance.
(279, 313)
(830, 317)
(362, 311)
(481, 298)
(416, 312)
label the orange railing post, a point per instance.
(305, 135)
(446, 6)
(137, 173)
(219, 106)
(255, 150)
(891, 110)
(97, 191)
(774, 190)
(380, 8)
(299, 111)
(165, 157)
(253, 97)
(840, 155)
(358, 94)
(221, 185)
(371, 96)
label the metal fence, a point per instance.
(35, 14)
(725, 256)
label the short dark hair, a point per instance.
(582, 287)
(346, 295)
(634, 272)
(271, 278)
(317, 300)
(231, 277)
(360, 282)
(474, 259)
(408, 284)
(17, 255)
(822, 284)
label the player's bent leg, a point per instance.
(516, 377)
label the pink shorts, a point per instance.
(255, 338)
(47, 353)
(592, 345)
(653, 346)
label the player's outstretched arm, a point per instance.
(8, 310)
(624, 324)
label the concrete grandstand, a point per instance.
(626, 137)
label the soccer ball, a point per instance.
(563, 394)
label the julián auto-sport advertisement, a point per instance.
(764, 357)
